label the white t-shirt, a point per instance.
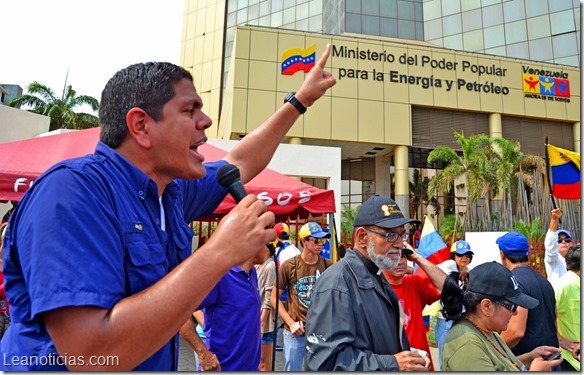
(555, 264)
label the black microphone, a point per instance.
(229, 177)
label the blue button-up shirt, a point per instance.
(88, 233)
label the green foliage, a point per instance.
(447, 229)
(533, 231)
(42, 100)
(348, 215)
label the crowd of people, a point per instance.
(122, 282)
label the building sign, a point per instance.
(546, 84)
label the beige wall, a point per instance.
(17, 124)
(202, 51)
(367, 104)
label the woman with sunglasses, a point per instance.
(460, 257)
(557, 243)
(481, 303)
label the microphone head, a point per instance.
(227, 175)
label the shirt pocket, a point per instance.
(183, 241)
(145, 261)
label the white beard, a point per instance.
(383, 262)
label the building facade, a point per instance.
(408, 74)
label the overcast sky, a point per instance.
(43, 39)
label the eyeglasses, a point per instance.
(469, 256)
(565, 239)
(318, 241)
(390, 236)
(509, 306)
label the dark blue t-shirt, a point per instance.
(541, 321)
(88, 233)
(232, 320)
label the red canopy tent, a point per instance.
(21, 162)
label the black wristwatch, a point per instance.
(291, 98)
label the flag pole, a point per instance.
(549, 177)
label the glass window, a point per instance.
(472, 20)
(538, 27)
(516, 32)
(432, 10)
(562, 22)
(494, 36)
(405, 10)
(353, 23)
(433, 29)
(289, 3)
(242, 4)
(406, 29)
(370, 25)
(242, 16)
(388, 8)
(452, 25)
(571, 60)
(370, 7)
(418, 12)
(302, 24)
(419, 30)
(556, 6)
(514, 10)
(454, 42)
(265, 21)
(498, 51)
(289, 15)
(264, 8)
(315, 24)
(470, 5)
(492, 15)
(253, 12)
(276, 19)
(486, 3)
(353, 6)
(388, 27)
(541, 49)
(231, 19)
(231, 5)
(565, 45)
(253, 2)
(302, 12)
(277, 5)
(450, 7)
(536, 8)
(577, 17)
(437, 42)
(518, 50)
(315, 7)
(473, 40)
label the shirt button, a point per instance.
(157, 221)
(140, 193)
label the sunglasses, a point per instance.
(565, 239)
(509, 306)
(469, 256)
(390, 236)
(318, 241)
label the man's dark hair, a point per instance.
(573, 258)
(516, 258)
(148, 86)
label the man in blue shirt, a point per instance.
(232, 322)
(97, 254)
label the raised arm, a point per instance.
(255, 151)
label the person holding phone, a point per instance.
(481, 303)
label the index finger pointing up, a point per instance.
(322, 61)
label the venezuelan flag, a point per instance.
(564, 172)
(296, 59)
(432, 247)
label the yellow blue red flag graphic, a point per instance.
(296, 59)
(564, 172)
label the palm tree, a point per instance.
(42, 100)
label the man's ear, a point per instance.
(361, 236)
(137, 120)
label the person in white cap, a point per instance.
(557, 242)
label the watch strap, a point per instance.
(291, 98)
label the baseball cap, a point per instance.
(461, 248)
(282, 231)
(513, 243)
(381, 211)
(314, 230)
(493, 279)
(567, 233)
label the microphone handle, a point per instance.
(237, 191)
